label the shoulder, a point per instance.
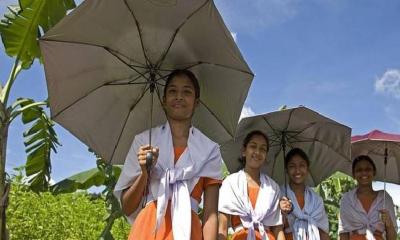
(272, 183)
(381, 194)
(348, 196)
(201, 138)
(314, 194)
(232, 177)
(231, 181)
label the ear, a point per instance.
(163, 101)
(243, 152)
(196, 102)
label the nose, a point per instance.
(179, 96)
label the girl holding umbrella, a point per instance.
(363, 213)
(304, 215)
(249, 199)
(186, 164)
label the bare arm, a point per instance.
(210, 217)
(278, 232)
(323, 235)
(344, 236)
(389, 227)
(132, 196)
(223, 220)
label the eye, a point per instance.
(171, 90)
(290, 166)
(188, 91)
(252, 146)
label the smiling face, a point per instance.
(364, 172)
(180, 100)
(297, 169)
(255, 152)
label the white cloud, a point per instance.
(246, 112)
(389, 83)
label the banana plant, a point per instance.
(331, 191)
(105, 175)
(20, 29)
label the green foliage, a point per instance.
(104, 175)
(64, 216)
(331, 190)
(225, 171)
(39, 139)
(83, 180)
(23, 24)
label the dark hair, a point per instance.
(188, 74)
(362, 158)
(296, 152)
(249, 136)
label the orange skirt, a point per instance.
(144, 227)
(242, 235)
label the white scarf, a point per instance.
(234, 200)
(353, 217)
(168, 180)
(304, 223)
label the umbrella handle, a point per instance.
(149, 160)
(149, 155)
(283, 142)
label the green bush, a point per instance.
(64, 216)
(331, 190)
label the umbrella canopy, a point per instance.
(384, 149)
(326, 142)
(102, 60)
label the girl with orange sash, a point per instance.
(186, 166)
(249, 199)
(362, 212)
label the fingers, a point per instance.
(385, 217)
(285, 205)
(142, 153)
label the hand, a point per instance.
(285, 205)
(385, 217)
(141, 155)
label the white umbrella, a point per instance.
(326, 142)
(104, 61)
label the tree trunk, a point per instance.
(4, 124)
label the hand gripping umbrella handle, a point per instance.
(149, 155)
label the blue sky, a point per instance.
(340, 58)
